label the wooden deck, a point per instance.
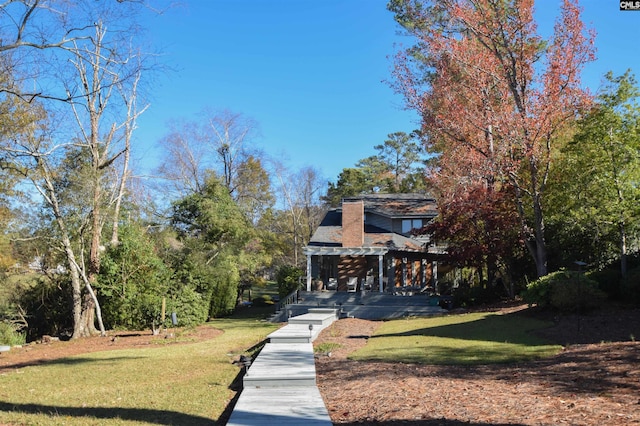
(370, 305)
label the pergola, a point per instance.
(347, 251)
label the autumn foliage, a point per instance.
(493, 95)
(479, 225)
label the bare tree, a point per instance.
(229, 134)
(218, 142)
(311, 185)
(36, 32)
(186, 161)
(129, 97)
(91, 124)
(301, 193)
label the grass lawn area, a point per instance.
(476, 338)
(263, 298)
(185, 384)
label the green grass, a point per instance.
(326, 347)
(189, 384)
(186, 384)
(479, 338)
(263, 305)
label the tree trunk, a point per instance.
(75, 272)
(88, 318)
(76, 288)
(541, 246)
(537, 248)
(90, 312)
(623, 249)
(90, 305)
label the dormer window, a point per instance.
(409, 225)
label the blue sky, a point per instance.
(311, 72)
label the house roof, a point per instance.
(328, 235)
(399, 205)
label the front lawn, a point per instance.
(476, 338)
(180, 384)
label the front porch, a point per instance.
(376, 269)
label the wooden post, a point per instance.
(162, 314)
(404, 271)
(380, 273)
(308, 272)
(434, 275)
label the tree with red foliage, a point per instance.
(493, 95)
(480, 227)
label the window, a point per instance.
(408, 225)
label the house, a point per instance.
(369, 243)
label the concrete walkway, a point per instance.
(290, 406)
(280, 386)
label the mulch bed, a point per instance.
(595, 380)
(49, 349)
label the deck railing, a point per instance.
(290, 299)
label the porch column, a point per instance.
(308, 272)
(391, 276)
(404, 271)
(414, 274)
(423, 274)
(434, 275)
(380, 272)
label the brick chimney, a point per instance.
(352, 223)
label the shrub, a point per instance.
(190, 307)
(576, 293)
(608, 280)
(133, 280)
(47, 303)
(475, 295)
(565, 291)
(263, 300)
(13, 325)
(538, 292)
(630, 286)
(10, 334)
(224, 287)
(288, 279)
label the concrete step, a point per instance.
(295, 333)
(337, 298)
(372, 306)
(278, 366)
(377, 312)
(283, 407)
(297, 329)
(323, 318)
(329, 311)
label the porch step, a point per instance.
(372, 306)
(294, 333)
(297, 330)
(326, 311)
(315, 316)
